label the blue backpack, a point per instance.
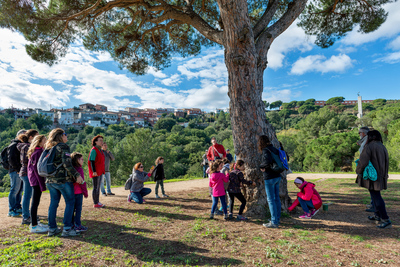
(46, 166)
(283, 157)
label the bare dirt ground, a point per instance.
(182, 186)
(176, 231)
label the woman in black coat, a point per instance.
(375, 152)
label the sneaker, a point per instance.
(230, 216)
(19, 211)
(226, 217)
(164, 195)
(370, 210)
(43, 225)
(305, 216)
(38, 229)
(241, 218)
(369, 206)
(111, 194)
(374, 218)
(218, 212)
(69, 232)
(129, 199)
(80, 228)
(157, 196)
(385, 224)
(99, 205)
(26, 221)
(270, 225)
(104, 194)
(13, 214)
(314, 212)
(54, 232)
(212, 217)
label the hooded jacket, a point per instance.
(307, 192)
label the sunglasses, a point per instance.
(65, 134)
(140, 166)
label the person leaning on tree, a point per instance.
(96, 165)
(215, 151)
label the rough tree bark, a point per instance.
(246, 64)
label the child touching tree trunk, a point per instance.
(217, 180)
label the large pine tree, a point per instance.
(143, 33)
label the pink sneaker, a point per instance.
(313, 212)
(129, 199)
(305, 216)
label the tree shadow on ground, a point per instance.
(154, 213)
(148, 249)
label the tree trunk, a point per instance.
(247, 111)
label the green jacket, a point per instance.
(66, 172)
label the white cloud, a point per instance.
(390, 58)
(319, 63)
(174, 80)
(292, 39)
(388, 29)
(395, 44)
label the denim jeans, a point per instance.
(138, 196)
(215, 204)
(204, 171)
(26, 199)
(306, 205)
(379, 204)
(106, 177)
(14, 197)
(76, 216)
(274, 202)
(67, 191)
(160, 183)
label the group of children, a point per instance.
(224, 182)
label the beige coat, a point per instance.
(376, 153)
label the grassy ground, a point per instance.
(176, 231)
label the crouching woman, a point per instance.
(308, 198)
(138, 191)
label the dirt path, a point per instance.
(121, 194)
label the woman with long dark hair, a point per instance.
(376, 153)
(271, 180)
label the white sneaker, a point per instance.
(38, 229)
(44, 225)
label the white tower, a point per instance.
(360, 111)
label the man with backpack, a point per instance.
(14, 164)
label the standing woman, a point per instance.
(96, 164)
(23, 147)
(271, 180)
(376, 153)
(61, 183)
(36, 181)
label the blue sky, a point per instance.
(297, 70)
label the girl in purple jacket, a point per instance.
(217, 180)
(37, 182)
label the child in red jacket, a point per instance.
(308, 198)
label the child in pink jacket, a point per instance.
(217, 180)
(80, 191)
(308, 198)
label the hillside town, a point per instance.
(97, 115)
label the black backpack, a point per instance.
(45, 165)
(277, 165)
(4, 158)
